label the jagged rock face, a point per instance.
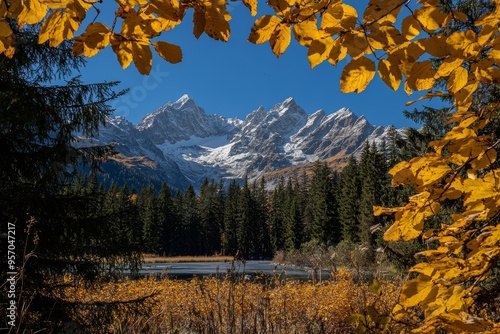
(188, 145)
(182, 120)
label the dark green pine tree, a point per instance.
(374, 180)
(190, 222)
(277, 217)
(152, 227)
(166, 218)
(307, 206)
(178, 234)
(262, 243)
(325, 227)
(293, 216)
(393, 144)
(230, 238)
(245, 230)
(348, 202)
(211, 211)
(120, 205)
(42, 110)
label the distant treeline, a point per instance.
(326, 207)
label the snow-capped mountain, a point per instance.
(187, 145)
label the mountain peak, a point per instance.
(184, 101)
(184, 141)
(289, 101)
(342, 112)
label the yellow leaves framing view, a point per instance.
(409, 46)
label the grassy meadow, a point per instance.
(231, 305)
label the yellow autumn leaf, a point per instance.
(485, 158)
(390, 73)
(168, 10)
(482, 188)
(217, 22)
(263, 28)
(426, 97)
(142, 56)
(136, 2)
(423, 268)
(407, 54)
(418, 290)
(390, 37)
(485, 71)
(435, 46)
(32, 12)
(377, 39)
(356, 43)
(408, 225)
(421, 76)
(463, 43)
(458, 79)
(382, 11)
(46, 30)
(56, 4)
(380, 210)
(5, 30)
(463, 98)
(281, 7)
(402, 174)
(319, 51)
(431, 171)
(252, 5)
(199, 22)
(410, 27)
(170, 52)
(4, 44)
(331, 20)
(122, 49)
(349, 17)
(338, 51)
(306, 31)
(357, 75)
(430, 17)
(447, 66)
(281, 38)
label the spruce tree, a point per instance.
(325, 227)
(350, 190)
(211, 213)
(148, 214)
(246, 221)
(166, 218)
(230, 241)
(190, 222)
(293, 216)
(277, 217)
(42, 110)
(262, 241)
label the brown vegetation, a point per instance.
(230, 305)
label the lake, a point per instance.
(187, 270)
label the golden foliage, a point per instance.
(268, 305)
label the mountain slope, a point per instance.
(187, 145)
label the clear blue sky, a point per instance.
(234, 78)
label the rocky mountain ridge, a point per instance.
(187, 145)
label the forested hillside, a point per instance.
(325, 207)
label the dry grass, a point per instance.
(231, 305)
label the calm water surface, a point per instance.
(250, 268)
